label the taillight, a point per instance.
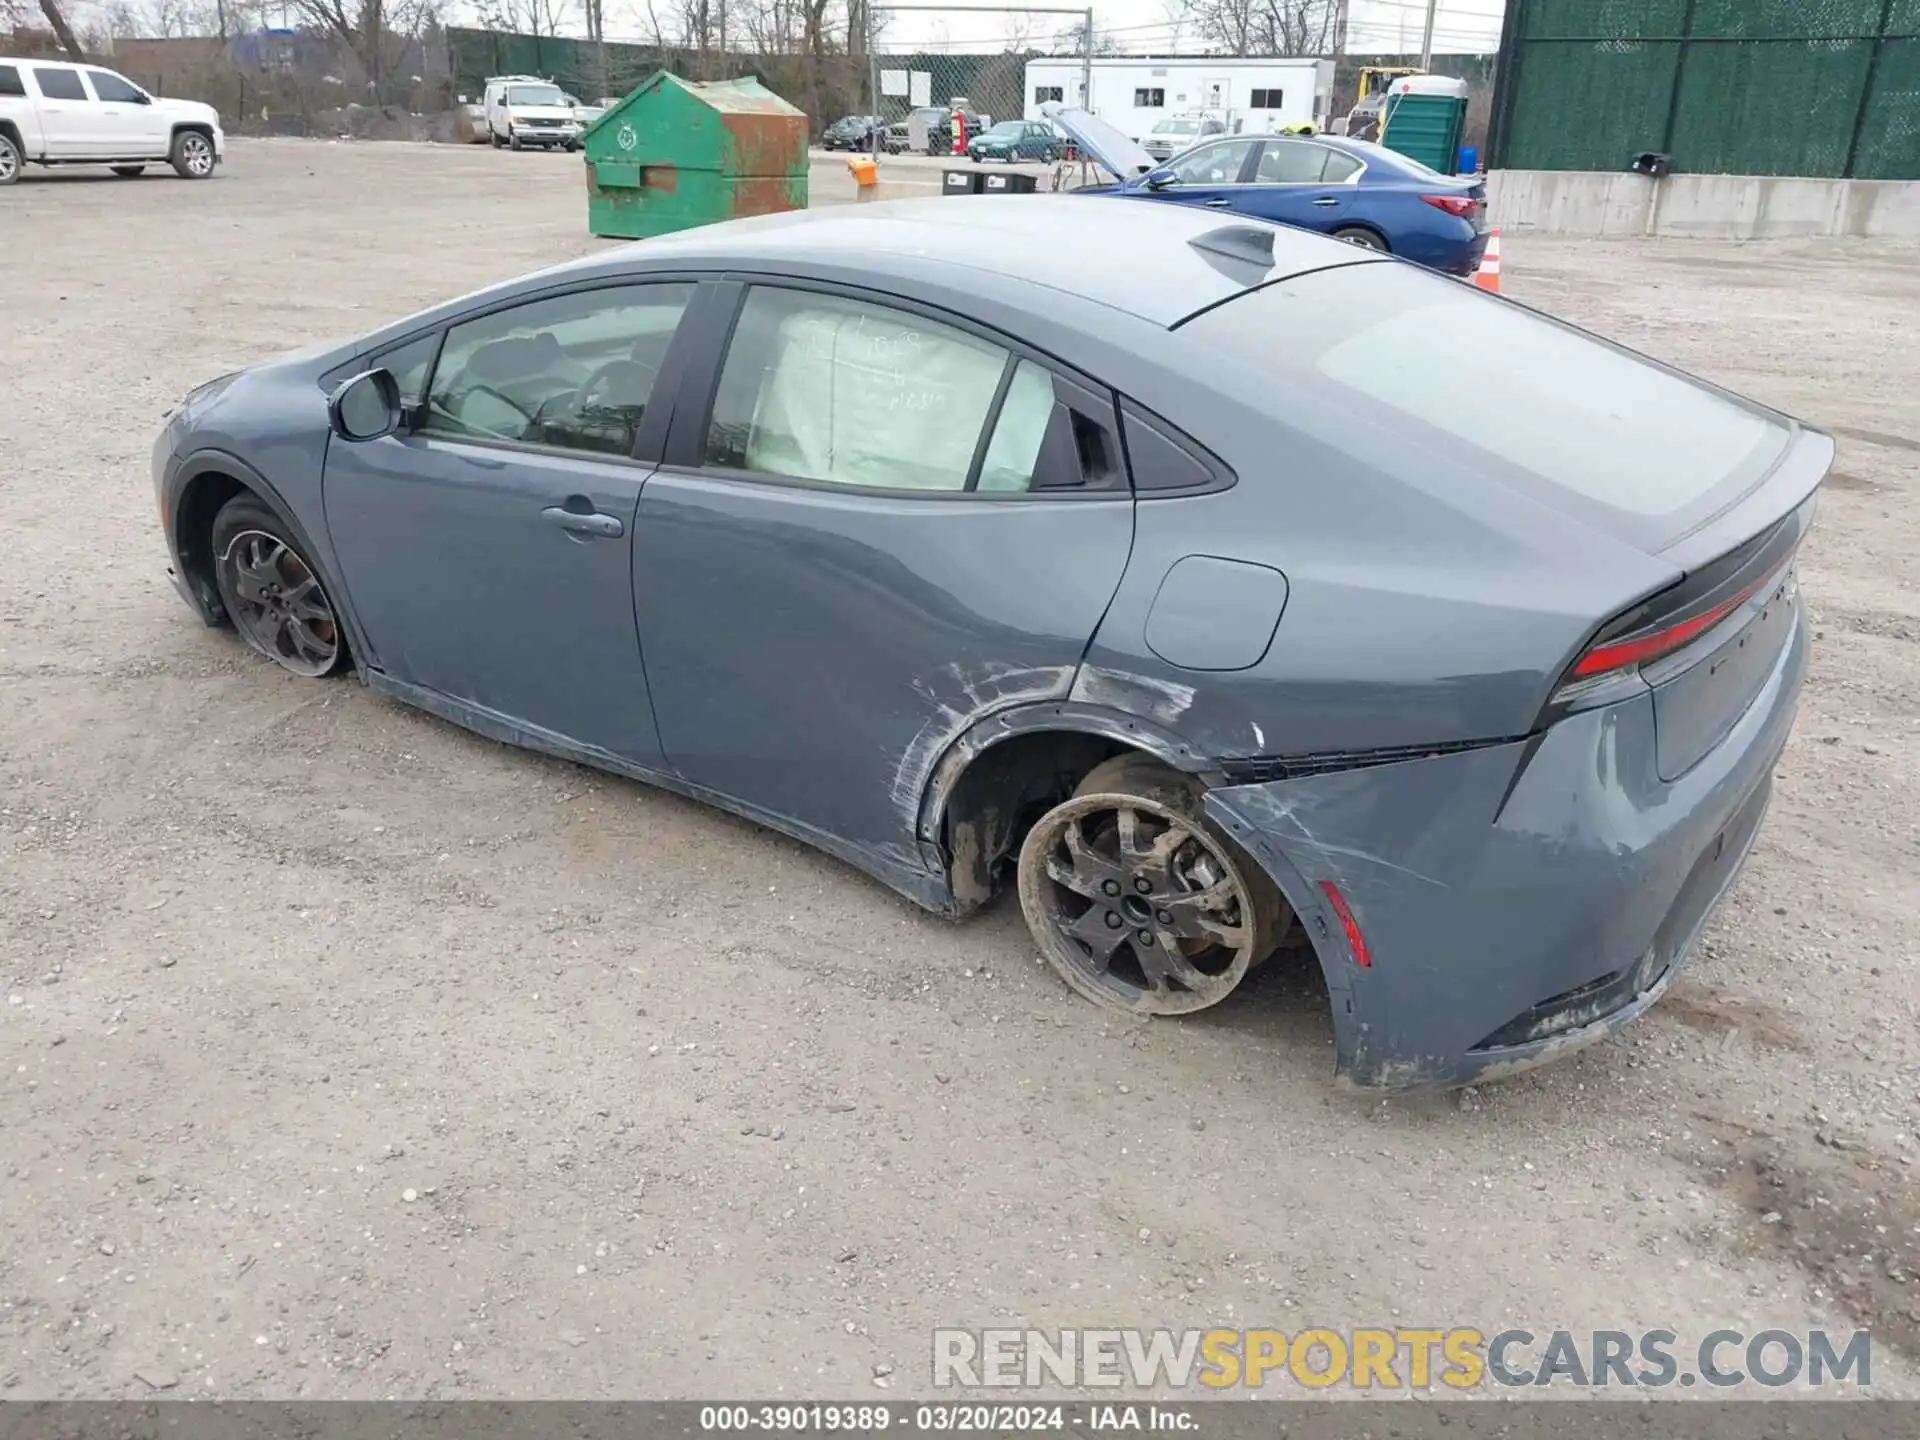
(1461, 205)
(1639, 647)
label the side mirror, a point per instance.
(140, 97)
(367, 406)
(1158, 179)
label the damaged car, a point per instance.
(1301, 599)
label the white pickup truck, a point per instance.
(53, 113)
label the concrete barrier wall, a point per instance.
(1717, 207)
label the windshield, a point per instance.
(535, 95)
(1177, 127)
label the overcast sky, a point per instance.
(1152, 26)
(1141, 27)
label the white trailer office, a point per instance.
(1135, 92)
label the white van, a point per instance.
(525, 110)
(55, 113)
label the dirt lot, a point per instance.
(347, 1054)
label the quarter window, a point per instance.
(1218, 164)
(10, 81)
(1154, 99)
(109, 88)
(1340, 168)
(59, 84)
(574, 371)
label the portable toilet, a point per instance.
(1424, 118)
(677, 153)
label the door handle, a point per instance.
(588, 522)
(1219, 204)
(1326, 200)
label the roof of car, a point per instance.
(1135, 256)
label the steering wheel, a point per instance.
(633, 376)
(492, 394)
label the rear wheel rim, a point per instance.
(1144, 911)
(1362, 239)
(278, 604)
(198, 154)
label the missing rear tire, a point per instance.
(1138, 901)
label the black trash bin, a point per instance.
(960, 182)
(1013, 182)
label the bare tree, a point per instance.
(1272, 27)
(1074, 41)
(62, 30)
(373, 31)
(525, 17)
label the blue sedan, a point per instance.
(1349, 189)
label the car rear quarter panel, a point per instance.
(1424, 604)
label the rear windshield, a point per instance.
(1579, 423)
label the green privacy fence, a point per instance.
(584, 68)
(1740, 87)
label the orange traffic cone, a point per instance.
(1488, 275)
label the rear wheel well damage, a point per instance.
(992, 803)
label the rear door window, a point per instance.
(1585, 426)
(58, 84)
(1289, 162)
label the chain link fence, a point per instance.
(1741, 87)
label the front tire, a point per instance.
(1138, 901)
(11, 160)
(272, 593)
(513, 139)
(192, 156)
(130, 172)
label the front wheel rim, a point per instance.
(1146, 912)
(278, 604)
(9, 160)
(198, 153)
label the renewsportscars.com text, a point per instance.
(1401, 1358)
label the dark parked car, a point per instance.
(1209, 584)
(855, 132)
(939, 124)
(1013, 140)
(1349, 189)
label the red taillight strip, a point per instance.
(1355, 940)
(1638, 649)
(1461, 205)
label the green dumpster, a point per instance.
(676, 153)
(1424, 118)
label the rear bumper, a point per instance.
(1517, 901)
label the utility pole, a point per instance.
(1086, 64)
(1426, 38)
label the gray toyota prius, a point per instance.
(1218, 588)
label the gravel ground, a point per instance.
(349, 1055)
